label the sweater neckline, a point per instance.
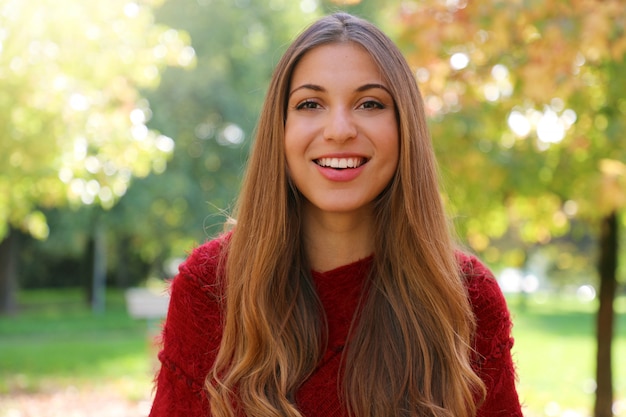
(340, 288)
(344, 269)
(339, 291)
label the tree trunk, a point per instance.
(99, 273)
(8, 273)
(607, 267)
(86, 270)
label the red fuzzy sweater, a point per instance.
(192, 332)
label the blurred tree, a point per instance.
(211, 112)
(72, 122)
(528, 108)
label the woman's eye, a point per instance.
(372, 104)
(307, 105)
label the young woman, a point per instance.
(339, 291)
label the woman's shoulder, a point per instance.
(205, 262)
(484, 292)
(192, 332)
(492, 340)
(493, 319)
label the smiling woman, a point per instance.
(339, 291)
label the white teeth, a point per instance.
(340, 162)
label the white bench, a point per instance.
(143, 303)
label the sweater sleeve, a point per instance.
(492, 342)
(191, 336)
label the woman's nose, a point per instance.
(340, 125)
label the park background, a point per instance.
(124, 129)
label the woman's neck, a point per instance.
(335, 239)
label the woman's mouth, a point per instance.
(340, 163)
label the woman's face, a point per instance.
(341, 132)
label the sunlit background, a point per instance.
(124, 129)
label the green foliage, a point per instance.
(527, 109)
(72, 121)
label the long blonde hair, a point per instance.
(409, 353)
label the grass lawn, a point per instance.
(555, 354)
(56, 342)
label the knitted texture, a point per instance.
(192, 332)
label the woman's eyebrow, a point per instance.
(370, 86)
(313, 87)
